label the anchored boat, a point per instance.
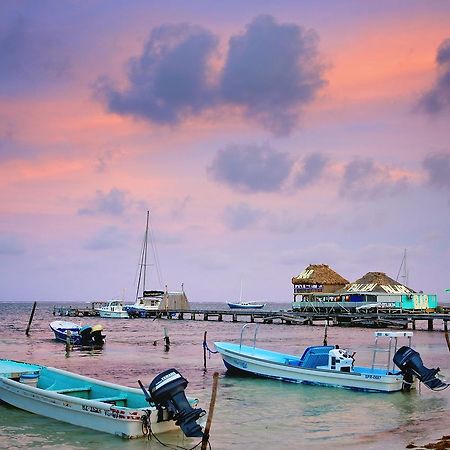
(331, 366)
(100, 405)
(77, 334)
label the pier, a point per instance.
(403, 320)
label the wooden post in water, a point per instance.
(204, 351)
(166, 340)
(27, 332)
(205, 439)
(325, 341)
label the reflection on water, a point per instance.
(250, 413)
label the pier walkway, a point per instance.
(402, 320)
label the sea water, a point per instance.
(250, 413)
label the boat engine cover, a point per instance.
(410, 363)
(167, 390)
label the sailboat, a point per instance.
(245, 305)
(147, 302)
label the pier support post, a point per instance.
(205, 317)
(413, 324)
(234, 317)
(430, 324)
(252, 318)
(180, 316)
(219, 318)
(192, 316)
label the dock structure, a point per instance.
(402, 320)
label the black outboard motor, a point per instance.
(410, 363)
(167, 390)
(85, 333)
(97, 338)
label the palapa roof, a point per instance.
(319, 274)
(377, 282)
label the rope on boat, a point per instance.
(205, 346)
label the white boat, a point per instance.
(113, 310)
(246, 305)
(100, 405)
(75, 334)
(331, 366)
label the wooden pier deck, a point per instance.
(402, 320)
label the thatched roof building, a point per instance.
(377, 282)
(318, 278)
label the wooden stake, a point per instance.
(212, 403)
(27, 332)
(204, 351)
(166, 340)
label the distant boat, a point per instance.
(77, 334)
(146, 300)
(327, 365)
(246, 305)
(113, 310)
(99, 405)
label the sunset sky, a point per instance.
(262, 137)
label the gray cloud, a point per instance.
(437, 167)
(272, 70)
(169, 79)
(313, 168)
(29, 54)
(251, 168)
(241, 216)
(114, 202)
(437, 99)
(11, 245)
(106, 239)
(363, 180)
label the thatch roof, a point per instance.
(319, 274)
(377, 282)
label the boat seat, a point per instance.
(72, 390)
(112, 400)
(315, 356)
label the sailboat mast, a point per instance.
(145, 253)
(143, 263)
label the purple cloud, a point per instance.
(313, 168)
(272, 70)
(168, 80)
(241, 216)
(29, 54)
(437, 167)
(114, 202)
(437, 99)
(251, 168)
(365, 180)
(106, 239)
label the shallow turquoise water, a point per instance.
(250, 413)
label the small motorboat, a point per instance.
(328, 365)
(113, 310)
(75, 334)
(246, 305)
(100, 405)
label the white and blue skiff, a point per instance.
(83, 401)
(328, 366)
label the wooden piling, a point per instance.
(204, 351)
(430, 324)
(166, 340)
(212, 403)
(27, 332)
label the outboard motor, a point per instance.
(85, 333)
(167, 390)
(98, 339)
(410, 363)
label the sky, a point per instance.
(261, 136)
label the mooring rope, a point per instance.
(205, 345)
